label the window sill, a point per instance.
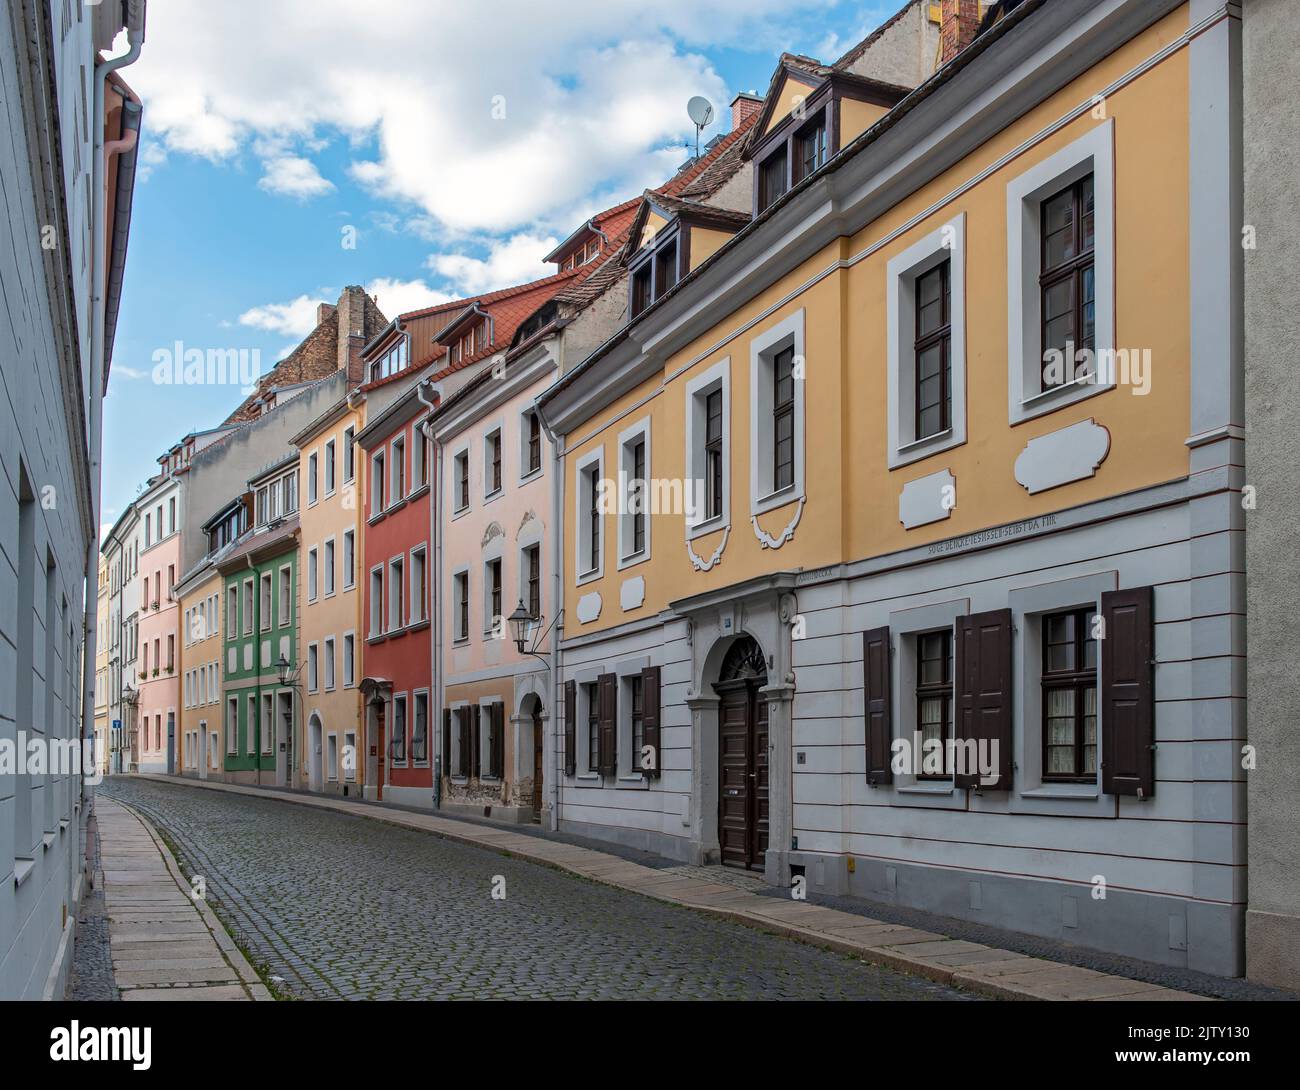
(376, 518)
(416, 493)
(791, 493)
(1063, 791)
(378, 637)
(632, 561)
(459, 512)
(944, 788)
(1058, 397)
(588, 776)
(530, 475)
(708, 526)
(22, 870)
(589, 577)
(919, 449)
(492, 496)
(636, 781)
(397, 506)
(47, 841)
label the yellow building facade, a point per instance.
(201, 738)
(328, 728)
(1044, 570)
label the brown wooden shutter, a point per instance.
(983, 693)
(446, 741)
(608, 724)
(650, 722)
(497, 740)
(475, 742)
(570, 727)
(877, 703)
(1128, 714)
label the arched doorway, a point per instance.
(528, 742)
(742, 756)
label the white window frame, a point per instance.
(418, 608)
(313, 574)
(582, 506)
(376, 602)
(1094, 153)
(379, 489)
(495, 429)
(349, 569)
(313, 667)
(349, 454)
(286, 600)
(946, 243)
(526, 474)
(350, 739)
(232, 726)
(396, 600)
(313, 481)
(428, 729)
(331, 470)
(787, 333)
(460, 593)
(332, 756)
(454, 464)
(626, 440)
(266, 593)
(405, 700)
(331, 674)
(328, 564)
(349, 659)
(397, 469)
(698, 389)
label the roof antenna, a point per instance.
(700, 111)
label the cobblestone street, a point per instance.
(339, 907)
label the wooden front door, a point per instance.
(380, 742)
(742, 758)
(537, 762)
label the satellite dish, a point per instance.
(700, 110)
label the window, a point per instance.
(264, 606)
(349, 454)
(419, 610)
(377, 482)
(665, 260)
(421, 456)
(462, 480)
(933, 350)
(641, 289)
(927, 345)
(1069, 681)
(533, 579)
(783, 419)
(313, 573)
(171, 652)
(810, 148)
(313, 463)
(589, 515)
(329, 468)
(248, 607)
(349, 756)
(492, 577)
(636, 715)
(349, 559)
(332, 758)
(933, 695)
(399, 470)
(171, 581)
(496, 740)
(266, 723)
(349, 660)
(772, 179)
(532, 443)
(776, 419)
(460, 600)
(147, 524)
(1061, 277)
(329, 663)
(232, 726)
(288, 488)
(590, 692)
(232, 612)
(465, 724)
(1067, 280)
(313, 667)
(286, 596)
(707, 441)
(633, 518)
(420, 729)
(377, 601)
(396, 588)
(492, 463)
(329, 567)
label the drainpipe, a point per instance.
(557, 599)
(98, 289)
(257, 666)
(435, 598)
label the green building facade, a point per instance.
(261, 626)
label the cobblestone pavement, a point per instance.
(91, 978)
(340, 907)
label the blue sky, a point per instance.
(457, 160)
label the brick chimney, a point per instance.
(323, 311)
(743, 107)
(352, 328)
(958, 21)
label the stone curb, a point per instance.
(974, 967)
(247, 975)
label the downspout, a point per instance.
(257, 666)
(435, 596)
(94, 438)
(557, 600)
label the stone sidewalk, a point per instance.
(1001, 974)
(165, 945)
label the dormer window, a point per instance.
(469, 343)
(641, 290)
(391, 362)
(809, 148)
(665, 268)
(772, 175)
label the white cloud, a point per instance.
(515, 260)
(593, 93)
(296, 318)
(399, 296)
(119, 370)
(293, 176)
